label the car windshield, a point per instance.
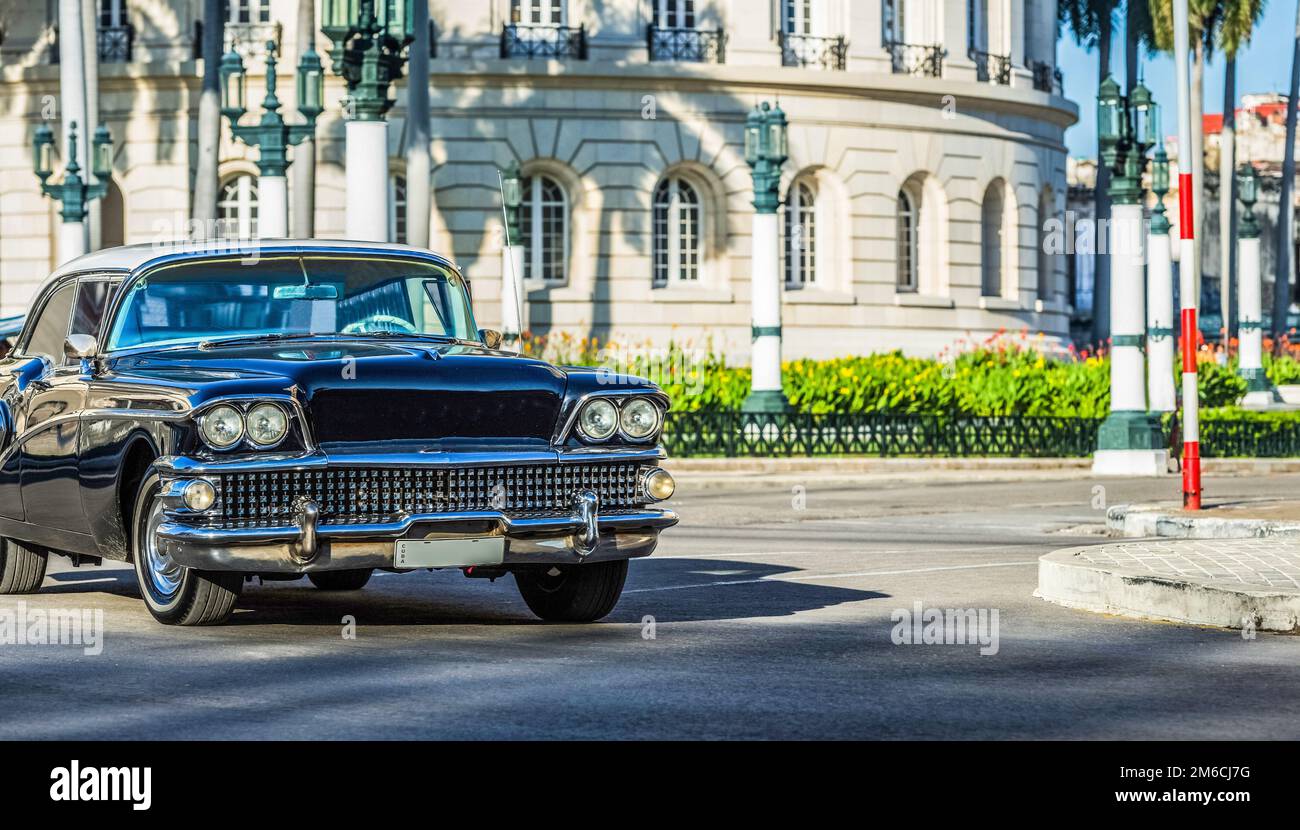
(297, 295)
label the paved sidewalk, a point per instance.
(1229, 583)
(1242, 519)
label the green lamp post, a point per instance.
(1161, 394)
(271, 135)
(766, 150)
(1260, 392)
(512, 254)
(368, 41)
(73, 193)
(1130, 440)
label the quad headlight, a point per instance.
(222, 426)
(267, 424)
(639, 419)
(598, 419)
(634, 418)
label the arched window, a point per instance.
(992, 234)
(800, 236)
(544, 228)
(677, 225)
(907, 276)
(397, 206)
(237, 208)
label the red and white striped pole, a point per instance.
(1188, 268)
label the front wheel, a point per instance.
(22, 567)
(572, 593)
(175, 594)
(341, 580)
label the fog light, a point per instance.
(199, 495)
(658, 484)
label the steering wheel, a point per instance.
(380, 322)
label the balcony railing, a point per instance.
(813, 52)
(916, 59)
(114, 43)
(520, 40)
(991, 68)
(698, 45)
(1047, 78)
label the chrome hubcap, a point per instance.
(163, 571)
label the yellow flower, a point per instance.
(844, 390)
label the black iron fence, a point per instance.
(811, 52)
(115, 42)
(915, 59)
(751, 434)
(698, 45)
(522, 41)
(739, 434)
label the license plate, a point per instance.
(450, 553)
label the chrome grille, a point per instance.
(362, 495)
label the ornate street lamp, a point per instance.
(368, 40)
(512, 254)
(271, 135)
(1260, 392)
(766, 150)
(74, 193)
(1130, 441)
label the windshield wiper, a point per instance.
(401, 335)
(261, 338)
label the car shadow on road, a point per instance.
(669, 589)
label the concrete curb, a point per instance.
(1065, 580)
(1145, 520)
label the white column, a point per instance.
(512, 293)
(1250, 353)
(72, 94)
(1160, 324)
(765, 304)
(72, 241)
(272, 207)
(367, 180)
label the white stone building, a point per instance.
(926, 147)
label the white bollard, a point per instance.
(766, 392)
(1250, 350)
(1160, 322)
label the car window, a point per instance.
(51, 327)
(92, 297)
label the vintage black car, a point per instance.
(318, 409)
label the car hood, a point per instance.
(360, 393)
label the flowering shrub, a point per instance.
(1002, 375)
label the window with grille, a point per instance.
(800, 236)
(907, 278)
(237, 208)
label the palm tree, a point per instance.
(1286, 212)
(1236, 25)
(204, 209)
(1092, 22)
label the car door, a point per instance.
(49, 406)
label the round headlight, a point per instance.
(598, 419)
(199, 495)
(222, 427)
(658, 484)
(639, 419)
(267, 424)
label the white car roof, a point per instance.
(130, 258)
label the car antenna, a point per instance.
(514, 277)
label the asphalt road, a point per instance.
(772, 619)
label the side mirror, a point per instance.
(80, 347)
(490, 337)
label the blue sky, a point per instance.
(1263, 66)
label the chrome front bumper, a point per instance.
(527, 540)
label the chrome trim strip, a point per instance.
(179, 532)
(182, 465)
